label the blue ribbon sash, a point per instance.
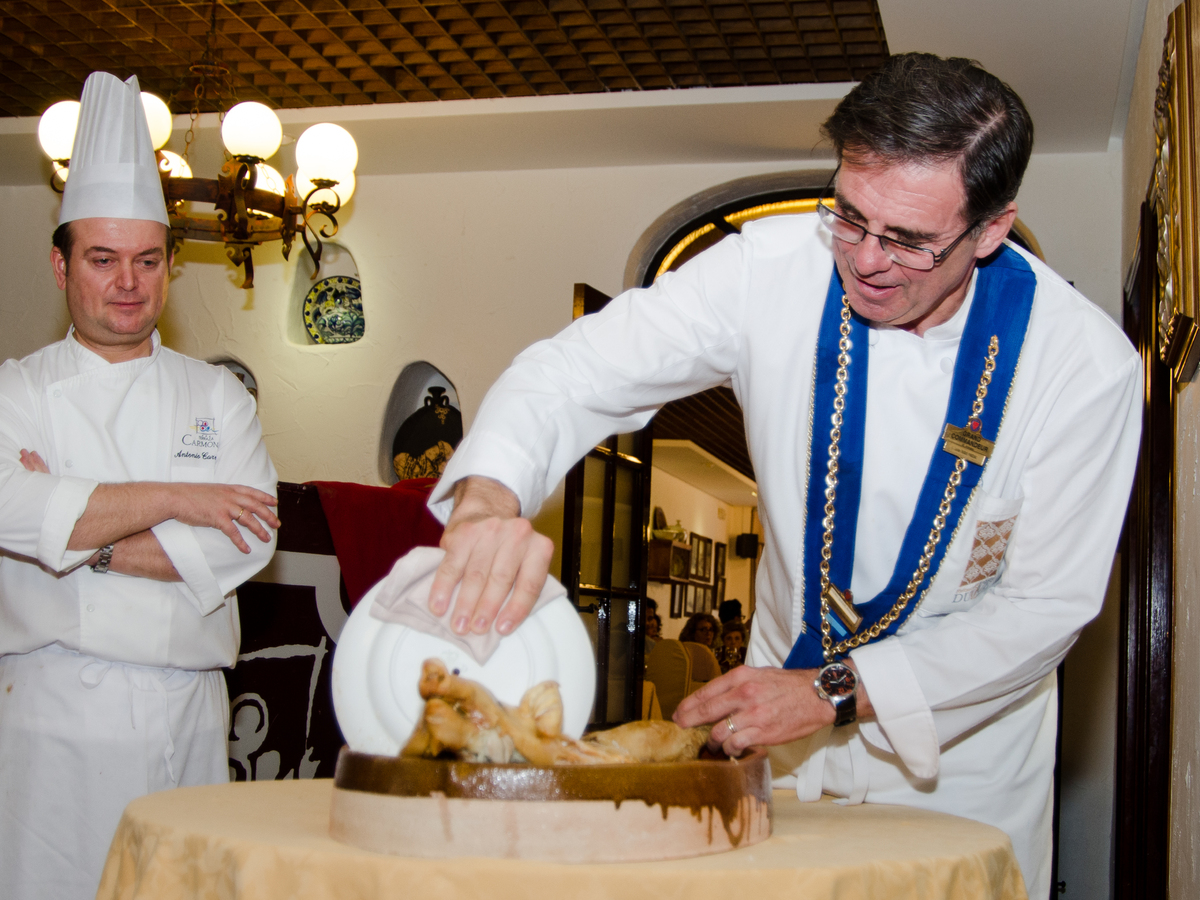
(1001, 307)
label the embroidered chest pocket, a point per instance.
(994, 529)
(976, 560)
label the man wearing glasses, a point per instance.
(944, 434)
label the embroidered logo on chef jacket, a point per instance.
(987, 554)
(199, 442)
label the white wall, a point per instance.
(462, 270)
(707, 516)
(1089, 740)
(1072, 202)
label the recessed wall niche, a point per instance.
(329, 309)
(244, 375)
(422, 424)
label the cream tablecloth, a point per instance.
(269, 841)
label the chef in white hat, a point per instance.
(135, 495)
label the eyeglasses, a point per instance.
(897, 251)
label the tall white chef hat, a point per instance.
(113, 172)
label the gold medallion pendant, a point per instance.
(842, 606)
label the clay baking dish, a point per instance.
(609, 813)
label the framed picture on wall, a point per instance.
(689, 604)
(1172, 192)
(701, 569)
(718, 561)
(719, 590)
(677, 597)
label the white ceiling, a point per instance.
(703, 471)
(1071, 60)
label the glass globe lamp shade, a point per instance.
(56, 129)
(268, 179)
(158, 117)
(251, 129)
(344, 189)
(174, 165)
(327, 151)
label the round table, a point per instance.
(269, 840)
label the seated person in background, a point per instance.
(698, 636)
(653, 630)
(733, 646)
(701, 628)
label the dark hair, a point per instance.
(729, 609)
(919, 107)
(63, 239)
(689, 630)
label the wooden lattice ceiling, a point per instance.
(296, 53)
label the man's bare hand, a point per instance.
(768, 706)
(220, 506)
(33, 462)
(490, 551)
(116, 511)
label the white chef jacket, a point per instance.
(962, 694)
(111, 683)
(164, 417)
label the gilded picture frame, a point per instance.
(1174, 199)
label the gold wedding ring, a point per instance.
(730, 725)
(241, 512)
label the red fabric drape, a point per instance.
(372, 527)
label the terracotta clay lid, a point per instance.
(666, 809)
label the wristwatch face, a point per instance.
(838, 680)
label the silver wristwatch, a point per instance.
(838, 684)
(100, 567)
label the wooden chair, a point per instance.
(704, 664)
(669, 666)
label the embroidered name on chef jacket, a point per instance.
(198, 442)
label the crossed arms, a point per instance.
(123, 514)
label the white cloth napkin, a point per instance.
(403, 598)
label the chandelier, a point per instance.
(253, 204)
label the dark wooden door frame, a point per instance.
(599, 599)
(1141, 815)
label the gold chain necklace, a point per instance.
(828, 591)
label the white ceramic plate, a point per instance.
(377, 665)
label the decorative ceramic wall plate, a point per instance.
(333, 312)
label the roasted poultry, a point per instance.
(461, 716)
